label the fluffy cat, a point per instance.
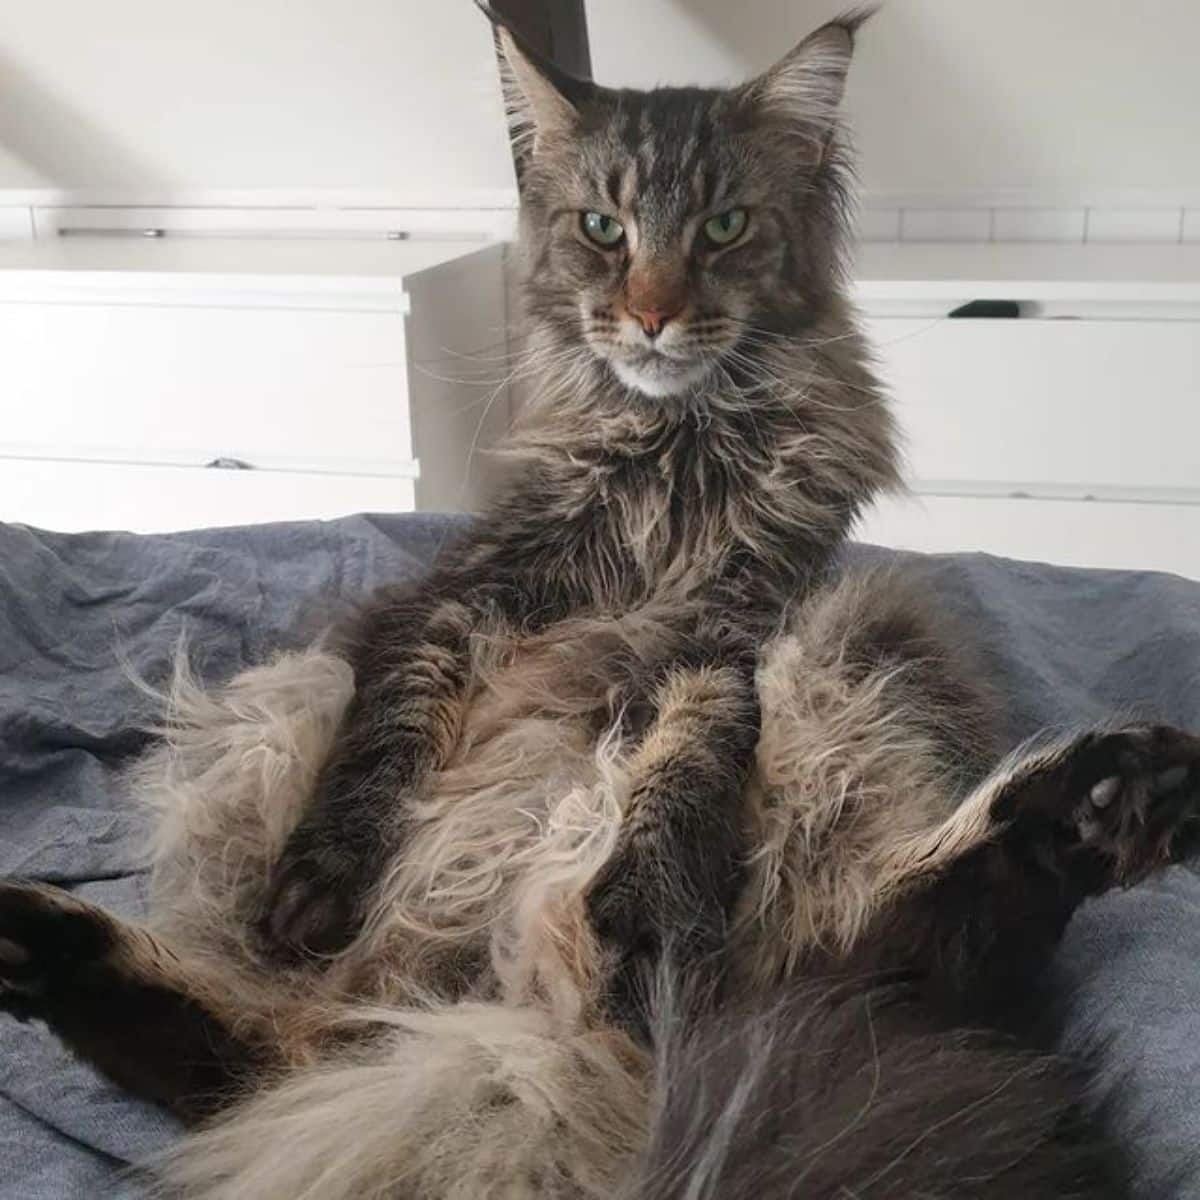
(433, 901)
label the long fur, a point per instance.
(458, 1102)
(843, 743)
(486, 907)
(874, 726)
(836, 1093)
(226, 786)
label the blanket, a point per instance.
(79, 612)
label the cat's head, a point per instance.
(671, 234)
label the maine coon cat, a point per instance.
(636, 850)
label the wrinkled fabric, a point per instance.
(79, 613)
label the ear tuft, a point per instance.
(855, 18)
(806, 86)
(539, 97)
(534, 104)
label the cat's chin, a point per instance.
(659, 377)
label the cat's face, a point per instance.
(673, 234)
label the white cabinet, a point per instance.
(158, 384)
(1070, 434)
(1075, 533)
(1087, 406)
(74, 496)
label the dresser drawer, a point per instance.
(78, 496)
(1152, 537)
(181, 384)
(1079, 405)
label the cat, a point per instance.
(554, 873)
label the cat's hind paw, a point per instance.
(1124, 801)
(46, 938)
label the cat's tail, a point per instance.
(455, 1103)
(819, 1094)
(832, 1095)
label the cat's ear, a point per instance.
(805, 87)
(539, 98)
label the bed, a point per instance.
(1067, 646)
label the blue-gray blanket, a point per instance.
(1068, 647)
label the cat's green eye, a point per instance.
(725, 229)
(604, 231)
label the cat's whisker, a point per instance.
(526, 362)
(789, 392)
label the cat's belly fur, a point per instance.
(487, 897)
(862, 751)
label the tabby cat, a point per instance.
(636, 850)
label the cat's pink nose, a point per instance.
(652, 320)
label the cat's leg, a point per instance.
(876, 717)
(412, 654)
(401, 723)
(124, 1001)
(677, 866)
(984, 899)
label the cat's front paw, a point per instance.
(642, 908)
(1123, 802)
(46, 938)
(314, 906)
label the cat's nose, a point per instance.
(653, 320)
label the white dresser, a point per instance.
(1068, 435)
(158, 379)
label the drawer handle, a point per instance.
(230, 464)
(1008, 310)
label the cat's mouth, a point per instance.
(656, 374)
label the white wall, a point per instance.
(949, 96)
(248, 94)
(954, 96)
